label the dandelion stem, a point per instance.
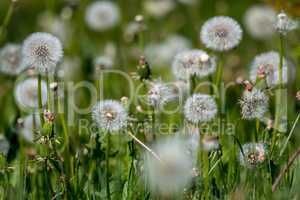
(290, 134)
(7, 18)
(48, 91)
(40, 99)
(107, 166)
(144, 146)
(285, 169)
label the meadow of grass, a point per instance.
(112, 110)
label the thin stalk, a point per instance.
(290, 134)
(144, 146)
(107, 166)
(7, 18)
(40, 99)
(48, 92)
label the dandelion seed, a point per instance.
(110, 115)
(173, 172)
(159, 94)
(269, 62)
(26, 95)
(253, 155)
(259, 21)
(221, 33)
(102, 15)
(158, 9)
(200, 108)
(193, 62)
(284, 24)
(254, 104)
(30, 125)
(4, 145)
(11, 60)
(42, 51)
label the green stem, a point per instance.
(107, 166)
(7, 18)
(40, 99)
(48, 92)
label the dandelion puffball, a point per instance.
(253, 155)
(269, 63)
(110, 115)
(26, 93)
(42, 51)
(259, 21)
(102, 15)
(159, 94)
(11, 60)
(221, 33)
(173, 172)
(284, 24)
(193, 62)
(254, 104)
(200, 108)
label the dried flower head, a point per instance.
(193, 62)
(4, 145)
(11, 60)
(284, 24)
(110, 115)
(102, 15)
(253, 155)
(221, 33)
(259, 21)
(200, 108)
(269, 63)
(26, 93)
(42, 51)
(173, 172)
(159, 94)
(254, 104)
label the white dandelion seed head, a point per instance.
(254, 104)
(253, 155)
(28, 127)
(4, 145)
(102, 15)
(161, 54)
(11, 59)
(193, 62)
(103, 62)
(200, 108)
(159, 94)
(110, 115)
(221, 33)
(42, 51)
(269, 62)
(284, 24)
(26, 93)
(158, 8)
(173, 172)
(259, 21)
